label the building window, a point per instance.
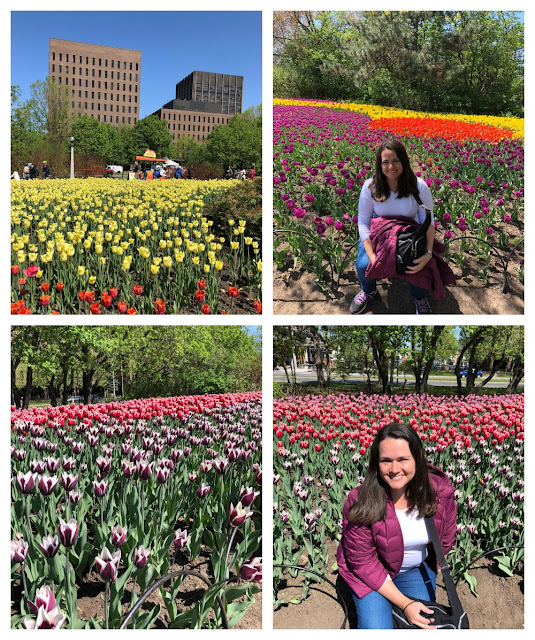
(106, 62)
(93, 61)
(66, 70)
(60, 57)
(53, 55)
(53, 68)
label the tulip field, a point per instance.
(107, 499)
(324, 151)
(320, 454)
(99, 246)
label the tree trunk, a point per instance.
(516, 377)
(27, 393)
(318, 356)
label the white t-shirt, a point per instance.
(392, 207)
(415, 538)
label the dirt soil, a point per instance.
(295, 292)
(91, 596)
(500, 604)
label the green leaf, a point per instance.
(472, 582)
(236, 610)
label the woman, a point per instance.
(383, 552)
(390, 193)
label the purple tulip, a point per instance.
(162, 474)
(239, 514)
(100, 487)
(181, 539)
(52, 464)
(118, 535)
(47, 484)
(26, 482)
(69, 464)
(203, 490)
(69, 481)
(108, 564)
(104, 466)
(252, 570)
(68, 532)
(144, 469)
(248, 495)
(51, 619)
(19, 550)
(141, 556)
(220, 465)
(75, 497)
(49, 546)
(43, 598)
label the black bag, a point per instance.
(412, 245)
(452, 617)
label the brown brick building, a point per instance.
(105, 80)
(203, 101)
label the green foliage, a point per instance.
(279, 390)
(242, 202)
(94, 137)
(189, 151)
(148, 133)
(440, 61)
(237, 144)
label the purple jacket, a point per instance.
(384, 233)
(366, 554)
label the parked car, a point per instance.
(74, 399)
(95, 399)
(464, 373)
(113, 169)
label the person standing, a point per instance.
(46, 169)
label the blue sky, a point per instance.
(172, 45)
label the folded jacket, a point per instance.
(383, 234)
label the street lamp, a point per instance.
(72, 157)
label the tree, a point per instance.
(26, 133)
(423, 349)
(149, 133)
(189, 151)
(237, 144)
(94, 137)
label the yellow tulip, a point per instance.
(219, 265)
(81, 270)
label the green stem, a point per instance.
(28, 521)
(106, 605)
(24, 584)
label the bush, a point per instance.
(205, 171)
(279, 390)
(242, 202)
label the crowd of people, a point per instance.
(31, 171)
(163, 172)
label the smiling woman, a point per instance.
(383, 554)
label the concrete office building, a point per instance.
(203, 100)
(105, 80)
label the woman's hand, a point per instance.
(419, 263)
(413, 614)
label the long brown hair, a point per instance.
(370, 504)
(407, 181)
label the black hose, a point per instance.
(333, 585)
(487, 553)
(167, 578)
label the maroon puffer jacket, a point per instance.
(384, 235)
(366, 554)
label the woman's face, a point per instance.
(391, 165)
(397, 466)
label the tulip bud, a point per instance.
(203, 490)
(108, 564)
(118, 536)
(68, 532)
(239, 514)
(26, 482)
(141, 556)
(49, 546)
(43, 598)
(182, 539)
(248, 495)
(47, 484)
(19, 550)
(100, 488)
(252, 570)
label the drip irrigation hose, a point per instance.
(486, 553)
(333, 585)
(172, 576)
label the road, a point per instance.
(303, 375)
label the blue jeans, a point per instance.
(374, 611)
(369, 285)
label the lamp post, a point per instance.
(72, 157)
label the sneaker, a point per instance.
(422, 306)
(360, 301)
